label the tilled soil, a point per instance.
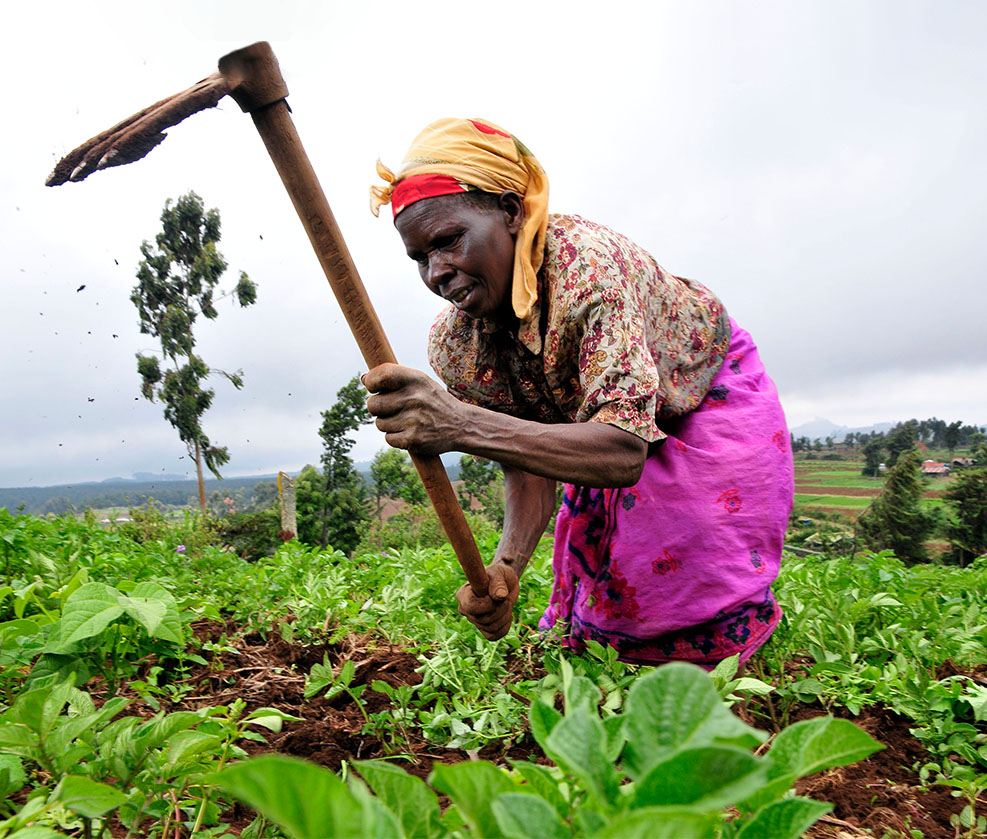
(880, 796)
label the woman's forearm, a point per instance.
(529, 501)
(588, 454)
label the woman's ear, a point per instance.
(512, 206)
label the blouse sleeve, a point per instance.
(603, 320)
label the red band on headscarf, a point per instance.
(417, 187)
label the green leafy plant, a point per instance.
(668, 766)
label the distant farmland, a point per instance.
(837, 486)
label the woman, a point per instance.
(570, 355)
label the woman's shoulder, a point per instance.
(586, 257)
(569, 227)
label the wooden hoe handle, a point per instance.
(259, 89)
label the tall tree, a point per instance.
(482, 481)
(873, 449)
(394, 476)
(176, 283)
(896, 519)
(967, 495)
(344, 493)
(952, 436)
(901, 439)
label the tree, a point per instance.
(967, 495)
(176, 283)
(394, 476)
(483, 482)
(895, 519)
(873, 449)
(343, 494)
(901, 439)
(952, 436)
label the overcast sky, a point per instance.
(821, 166)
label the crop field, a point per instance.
(839, 486)
(153, 683)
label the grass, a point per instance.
(849, 502)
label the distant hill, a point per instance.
(174, 490)
(116, 493)
(820, 429)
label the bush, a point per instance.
(250, 535)
(149, 524)
(417, 526)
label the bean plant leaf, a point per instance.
(807, 747)
(88, 611)
(147, 599)
(35, 832)
(578, 744)
(579, 690)
(661, 823)
(542, 718)
(18, 739)
(51, 668)
(674, 707)
(786, 819)
(543, 784)
(821, 743)
(12, 775)
(185, 745)
(10, 631)
(302, 798)
(472, 786)
(87, 797)
(523, 816)
(416, 806)
(711, 777)
(378, 821)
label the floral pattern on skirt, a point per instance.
(680, 566)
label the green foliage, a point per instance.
(333, 507)
(967, 496)
(394, 476)
(483, 483)
(901, 439)
(636, 751)
(176, 283)
(418, 526)
(669, 767)
(250, 535)
(896, 519)
(873, 630)
(96, 762)
(873, 451)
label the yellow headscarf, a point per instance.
(482, 155)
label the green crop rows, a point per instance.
(97, 625)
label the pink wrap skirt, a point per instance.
(680, 565)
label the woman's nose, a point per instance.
(438, 272)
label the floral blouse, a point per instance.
(613, 338)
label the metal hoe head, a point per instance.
(250, 75)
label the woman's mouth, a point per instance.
(459, 296)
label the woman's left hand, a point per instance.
(414, 411)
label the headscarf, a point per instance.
(456, 155)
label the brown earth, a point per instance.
(880, 796)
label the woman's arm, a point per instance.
(417, 414)
(529, 501)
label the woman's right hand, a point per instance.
(491, 614)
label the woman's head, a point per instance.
(460, 161)
(464, 245)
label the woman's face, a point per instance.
(465, 254)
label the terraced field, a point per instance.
(837, 486)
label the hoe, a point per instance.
(252, 77)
